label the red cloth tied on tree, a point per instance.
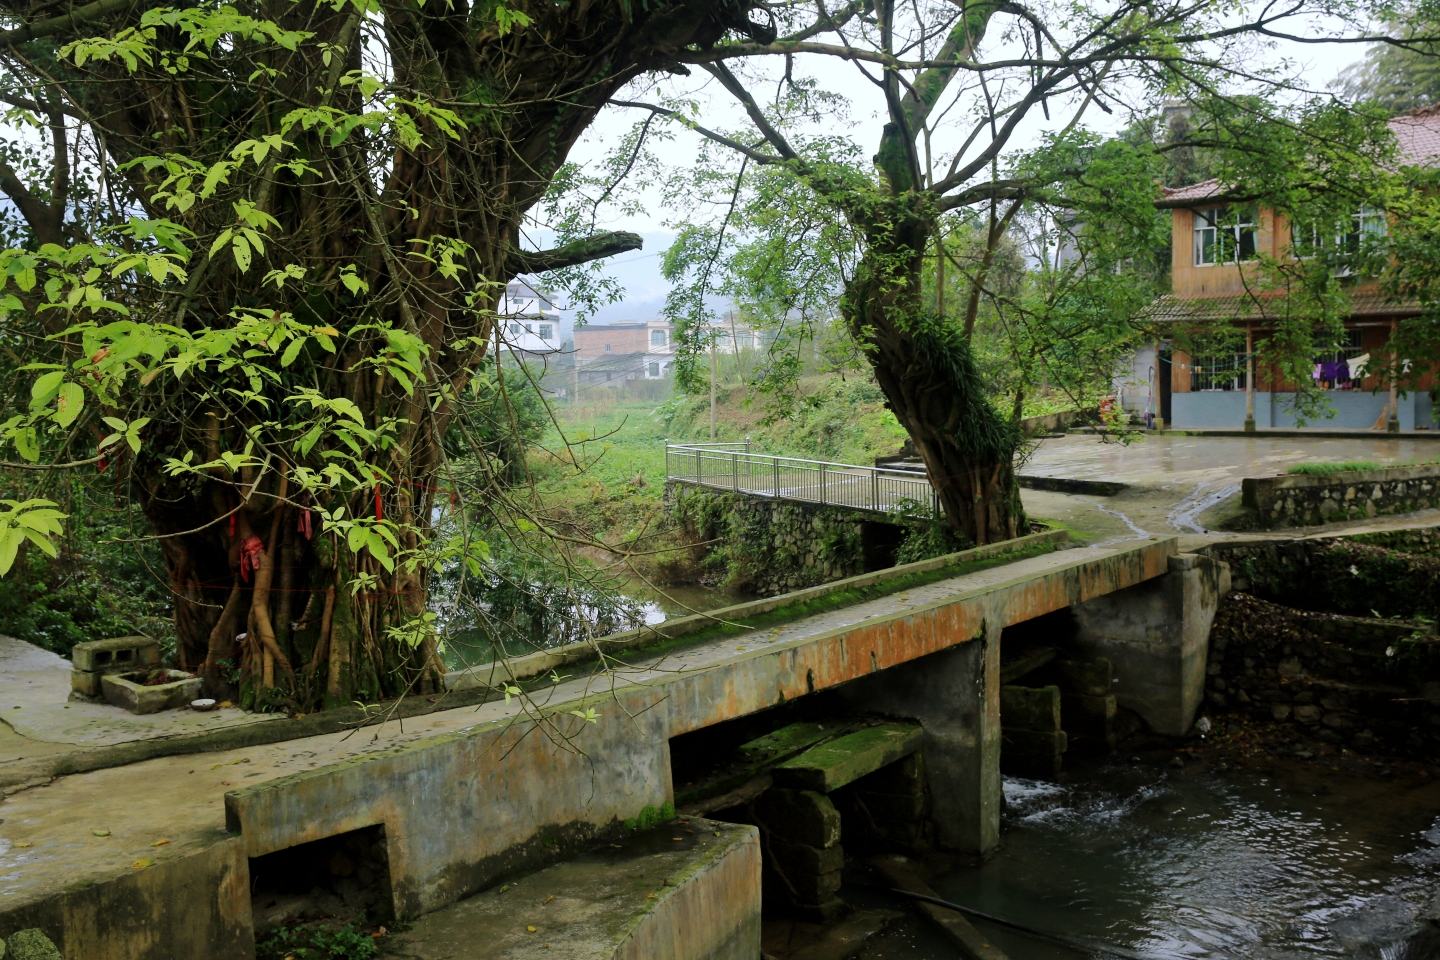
(303, 525)
(250, 550)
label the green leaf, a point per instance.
(10, 541)
(27, 444)
(292, 351)
(72, 401)
(45, 388)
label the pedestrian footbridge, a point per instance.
(572, 744)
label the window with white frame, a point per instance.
(1226, 234)
(1351, 235)
(546, 331)
(657, 338)
(654, 371)
(1225, 371)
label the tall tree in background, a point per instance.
(260, 256)
(961, 87)
(1403, 74)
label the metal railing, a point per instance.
(731, 466)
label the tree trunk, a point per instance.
(924, 366)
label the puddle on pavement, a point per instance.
(1203, 862)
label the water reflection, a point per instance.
(1200, 862)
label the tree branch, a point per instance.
(599, 246)
(735, 145)
(49, 28)
(727, 79)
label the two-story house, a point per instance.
(1216, 279)
(614, 352)
(529, 325)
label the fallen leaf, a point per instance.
(160, 843)
(677, 838)
(225, 703)
(24, 843)
(548, 899)
(649, 896)
(529, 929)
(217, 766)
(142, 864)
(101, 833)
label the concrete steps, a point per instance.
(685, 890)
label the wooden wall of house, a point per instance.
(1220, 278)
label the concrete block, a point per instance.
(799, 816)
(901, 777)
(130, 692)
(1090, 717)
(119, 655)
(1030, 708)
(797, 858)
(1092, 677)
(1032, 753)
(787, 742)
(646, 897)
(86, 683)
(833, 765)
(804, 888)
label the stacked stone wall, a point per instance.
(771, 547)
(1338, 574)
(1304, 500)
(1366, 683)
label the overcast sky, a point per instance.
(638, 272)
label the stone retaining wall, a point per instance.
(1298, 500)
(771, 547)
(1339, 575)
(1370, 684)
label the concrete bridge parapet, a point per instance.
(1156, 635)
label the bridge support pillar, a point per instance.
(1156, 635)
(955, 694)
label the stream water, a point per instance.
(1199, 862)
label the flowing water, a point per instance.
(1200, 862)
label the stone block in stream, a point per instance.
(844, 760)
(1091, 677)
(794, 859)
(799, 816)
(1090, 717)
(1030, 708)
(1032, 753)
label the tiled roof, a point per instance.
(1196, 191)
(1418, 133)
(1260, 306)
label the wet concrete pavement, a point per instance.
(1173, 479)
(38, 718)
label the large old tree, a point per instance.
(260, 256)
(982, 108)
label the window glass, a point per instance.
(546, 331)
(1226, 234)
(657, 338)
(1217, 372)
(654, 369)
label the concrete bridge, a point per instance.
(460, 799)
